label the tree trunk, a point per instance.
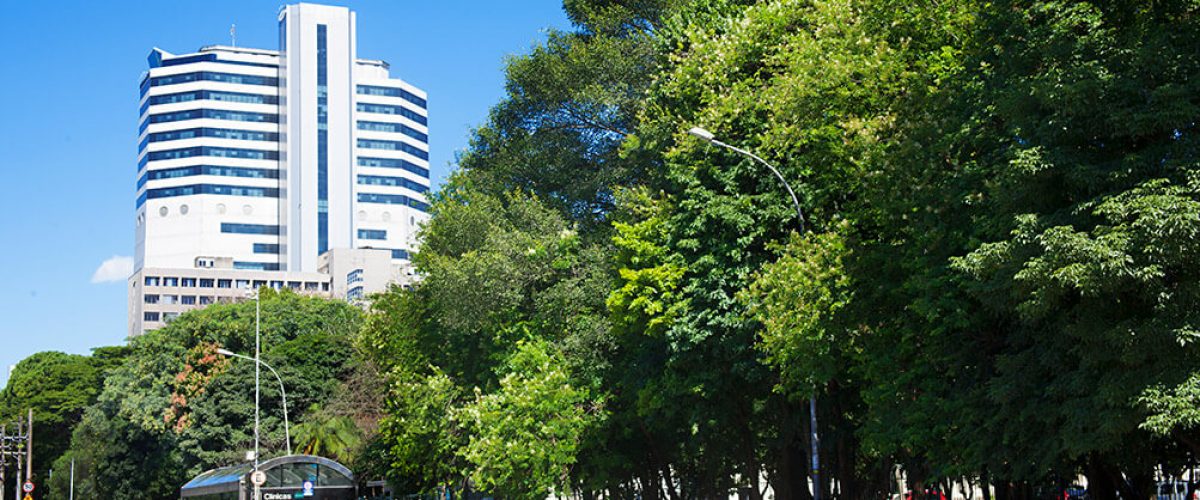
(1102, 485)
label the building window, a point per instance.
(325, 287)
(322, 141)
(364, 161)
(277, 285)
(188, 300)
(234, 228)
(206, 283)
(219, 189)
(372, 234)
(170, 316)
(399, 254)
(151, 280)
(170, 281)
(169, 299)
(150, 299)
(393, 199)
(355, 293)
(354, 276)
(242, 284)
(218, 133)
(387, 109)
(188, 282)
(294, 285)
(395, 128)
(379, 180)
(256, 266)
(213, 76)
(150, 316)
(392, 92)
(393, 146)
(225, 284)
(205, 300)
(311, 286)
(259, 284)
(270, 248)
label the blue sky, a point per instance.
(68, 133)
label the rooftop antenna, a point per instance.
(233, 34)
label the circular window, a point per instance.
(162, 211)
(362, 215)
(247, 209)
(220, 208)
(183, 209)
(387, 217)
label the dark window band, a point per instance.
(379, 180)
(364, 161)
(393, 146)
(220, 133)
(392, 92)
(387, 109)
(394, 127)
(393, 199)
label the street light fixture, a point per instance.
(286, 431)
(710, 138)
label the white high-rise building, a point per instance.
(268, 159)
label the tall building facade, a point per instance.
(268, 159)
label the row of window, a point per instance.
(238, 228)
(219, 170)
(372, 234)
(392, 92)
(171, 316)
(266, 248)
(379, 180)
(309, 286)
(214, 76)
(256, 266)
(398, 128)
(215, 114)
(364, 161)
(388, 109)
(393, 199)
(221, 189)
(219, 133)
(210, 58)
(210, 95)
(393, 146)
(175, 154)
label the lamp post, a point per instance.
(287, 433)
(708, 137)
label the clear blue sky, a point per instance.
(68, 129)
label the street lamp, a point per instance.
(286, 431)
(708, 137)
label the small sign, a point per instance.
(259, 478)
(27, 487)
(308, 488)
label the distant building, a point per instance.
(265, 160)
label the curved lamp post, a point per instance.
(286, 432)
(812, 401)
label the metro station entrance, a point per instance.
(290, 477)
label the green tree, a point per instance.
(524, 437)
(177, 408)
(57, 387)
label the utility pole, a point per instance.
(3, 458)
(29, 449)
(20, 460)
